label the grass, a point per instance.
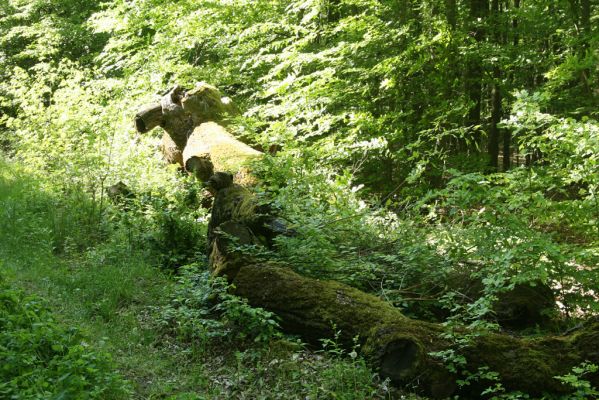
(105, 295)
(51, 245)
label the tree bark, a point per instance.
(212, 148)
(400, 348)
(170, 151)
(496, 111)
(179, 112)
(451, 13)
(495, 119)
(473, 72)
(507, 134)
(148, 118)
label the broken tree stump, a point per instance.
(180, 111)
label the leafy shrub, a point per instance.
(202, 309)
(582, 388)
(41, 359)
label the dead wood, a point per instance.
(212, 148)
(398, 347)
(179, 111)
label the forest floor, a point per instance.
(108, 302)
(112, 297)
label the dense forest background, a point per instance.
(418, 149)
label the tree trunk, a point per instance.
(507, 134)
(400, 348)
(211, 148)
(474, 73)
(148, 118)
(170, 151)
(451, 13)
(496, 111)
(585, 19)
(585, 22)
(179, 112)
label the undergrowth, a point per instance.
(42, 359)
(182, 337)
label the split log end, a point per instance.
(148, 118)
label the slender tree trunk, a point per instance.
(585, 22)
(496, 110)
(474, 73)
(451, 13)
(585, 18)
(452, 144)
(507, 134)
(331, 11)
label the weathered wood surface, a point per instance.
(148, 118)
(398, 347)
(212, 148)
(183, 115)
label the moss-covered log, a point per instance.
(179, 111)
(400, 347)
(211, 148)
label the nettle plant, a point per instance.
(41, 359)
(202, 310)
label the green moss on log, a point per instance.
(204, 103)
(400, 347)
(178, 113)
(212, 148)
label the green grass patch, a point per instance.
(41, 359)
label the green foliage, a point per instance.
(40, 359)
(202, 310)
(582, 388)
(380, 166)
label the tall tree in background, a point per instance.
(507, 134)
(496, 112)
(473, 78)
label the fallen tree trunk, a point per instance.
(148, 118)
(400, 348)
(211, 148)
(170, 151)
(179, 112)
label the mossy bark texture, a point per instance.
(194, 137)
(400, 348)
(211, 148)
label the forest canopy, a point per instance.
(440, 155)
